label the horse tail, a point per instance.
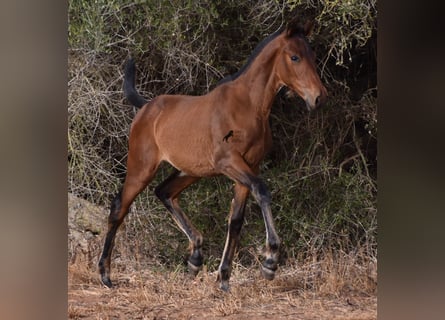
(129, 85)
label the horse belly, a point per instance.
(188, 150)
(182, 134)
(189, 159)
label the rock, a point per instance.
(86, 224)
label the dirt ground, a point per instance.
(146, 294)
(327, 289)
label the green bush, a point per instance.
(322, 169)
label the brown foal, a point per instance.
(224, 132)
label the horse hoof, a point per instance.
(267, 273)
(107, 282)
(268, 269)
(193, 269)
(224, 286)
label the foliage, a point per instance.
(322, 169)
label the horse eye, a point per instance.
(294, 58)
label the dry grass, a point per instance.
(311, 291)
(334, 285)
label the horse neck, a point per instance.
(262, 82)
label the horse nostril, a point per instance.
(321, 98)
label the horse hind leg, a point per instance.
(168, 192)
(117, 214)
(138, 176)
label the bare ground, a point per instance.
(173, 295)
(327, 289)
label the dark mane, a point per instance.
(252, 57)
(293, 29)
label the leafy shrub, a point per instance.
(322, 169)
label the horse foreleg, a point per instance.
(236, 218)
(237, 169)
(262, 196)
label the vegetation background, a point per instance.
(322, 171)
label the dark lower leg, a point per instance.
(270, 263)
(119, 208)
(262, 196)
(114, 221)
(233, 234)
(105, 259)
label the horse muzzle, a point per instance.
(316, 101)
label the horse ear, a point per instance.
(308, 27)
(295, 27)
